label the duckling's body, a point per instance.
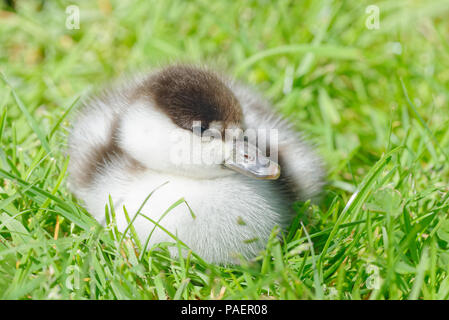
(120, 147)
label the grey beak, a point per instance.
(249, 160)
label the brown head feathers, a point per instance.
(187, 94)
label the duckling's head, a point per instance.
(186, 120)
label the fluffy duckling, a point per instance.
(130, 141)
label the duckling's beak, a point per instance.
(247, 159)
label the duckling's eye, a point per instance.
(199, 129)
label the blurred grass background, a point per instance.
(374, 101)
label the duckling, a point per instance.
(123, 145)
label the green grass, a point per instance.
(375, 102)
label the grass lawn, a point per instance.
(375, 101)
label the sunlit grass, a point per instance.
(375, 103)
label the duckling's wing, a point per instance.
(302, 169)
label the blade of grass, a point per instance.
(31, 121)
